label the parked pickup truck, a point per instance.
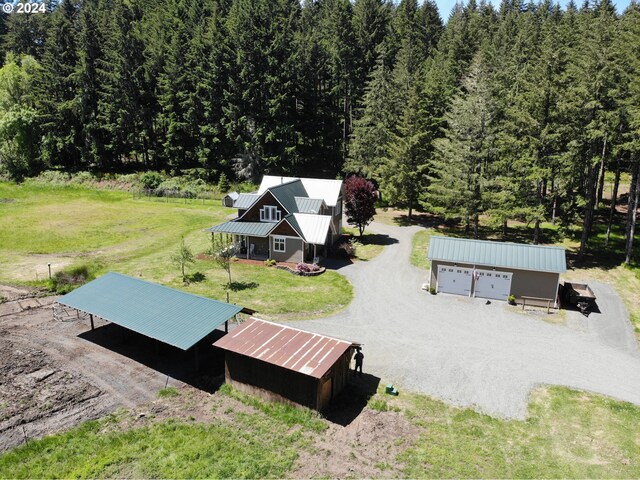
(580, 295)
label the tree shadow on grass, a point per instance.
(240, 286)
(426, 220)
(196, 277)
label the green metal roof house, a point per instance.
(288, 219)
(488, 269)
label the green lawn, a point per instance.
(371, 244)
(109, 230)
(260, 444)
(567, 434)
(419, 249)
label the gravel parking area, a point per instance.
(473, 354)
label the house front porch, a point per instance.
(251, 248)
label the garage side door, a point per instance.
(492, 284)
(454, 280)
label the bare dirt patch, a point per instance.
(365, 448)
(40, 397)
(54, 374)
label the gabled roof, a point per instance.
(232, 195)
(286, 194)
(245, 200)
(177, 318)
(255, 229)
(308, 205)
(498, 254)
(312, 228)
(327, 190)
(308, 353)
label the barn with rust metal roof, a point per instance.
(282, 363)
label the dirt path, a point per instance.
(471, 354)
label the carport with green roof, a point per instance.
(165, 314)
(496, 270)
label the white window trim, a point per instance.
(271, 209)
(284, 244)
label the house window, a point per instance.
(279, 244)
(269, 213)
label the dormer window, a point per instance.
(269, 213)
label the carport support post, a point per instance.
(226, 326)
(91, 318)
(195, 354)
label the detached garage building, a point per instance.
(495, 270)
(281, 363)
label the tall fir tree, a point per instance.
(459, 171)
(57, 86)
(377, 126)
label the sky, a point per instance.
(445, 6)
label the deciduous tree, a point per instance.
(359, 202)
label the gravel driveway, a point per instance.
(471, 354)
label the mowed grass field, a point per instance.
(110, 231)
(568, 434)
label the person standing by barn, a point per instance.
(358, 357)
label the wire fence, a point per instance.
(176, 196)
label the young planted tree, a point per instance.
(183, 258)
(360, 199)
(222, 253)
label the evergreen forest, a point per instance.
(519, 111)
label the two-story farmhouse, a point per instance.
(288, 219)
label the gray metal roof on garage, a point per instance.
(498, 254)
(177, 318)
(256, 229)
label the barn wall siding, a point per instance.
(294, 386)
(274, 383)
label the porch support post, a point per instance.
(248, 246)
(303, 246)
(226, 326)
(91, 318)
(314, 251)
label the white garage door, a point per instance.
(492, 284)
(454, 280)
